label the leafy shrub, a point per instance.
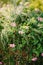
(21, 34)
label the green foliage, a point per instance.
(24, 31)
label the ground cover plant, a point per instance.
(21, 32)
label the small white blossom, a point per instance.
(21, 32)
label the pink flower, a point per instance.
(34, 59)
(21, 32)
(0, 62)
(42, 54)
(40, 19)
(13, 24)
(12, 45)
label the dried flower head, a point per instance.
(37, 10)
